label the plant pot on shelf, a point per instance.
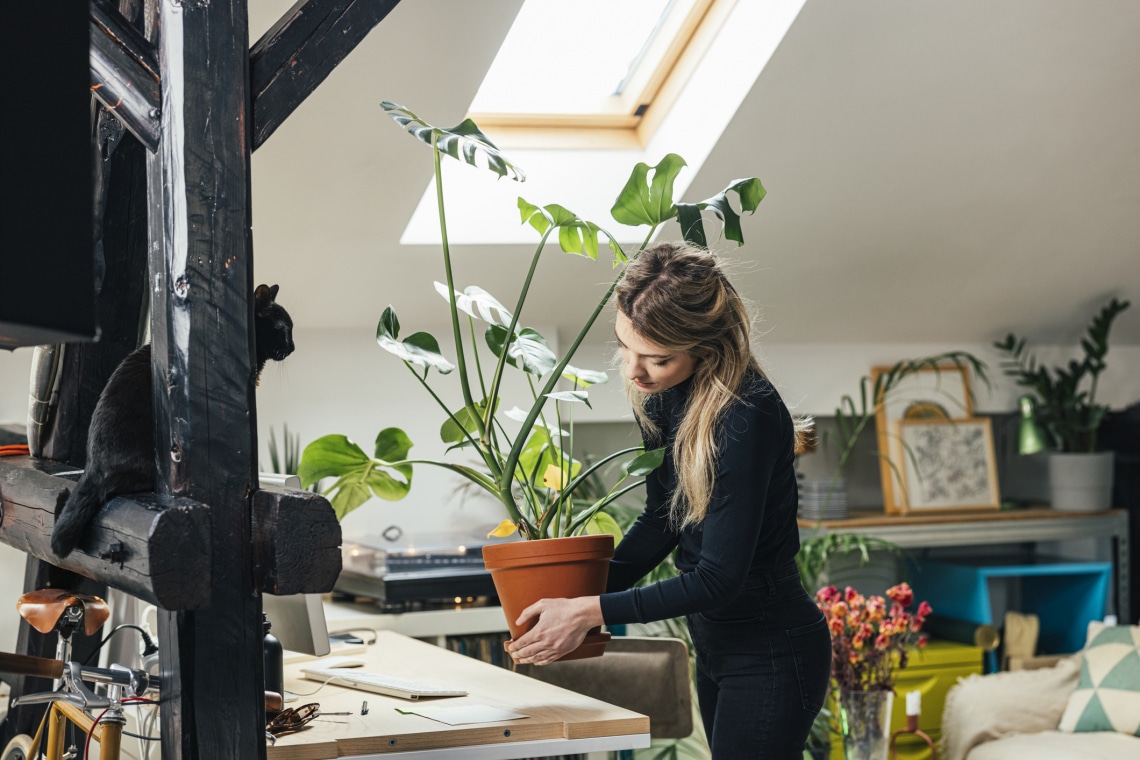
(553, 568)
(1081, 482)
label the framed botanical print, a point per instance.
(949, 464)
(929, 393)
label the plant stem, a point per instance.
(487, 457)
(460, 359)
(498, 377)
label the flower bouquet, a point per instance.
(869, 639)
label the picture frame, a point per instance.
(950, 465)
(929, 393)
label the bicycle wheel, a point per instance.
(20, 748)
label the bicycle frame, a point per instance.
(74, 699)
(109, 732)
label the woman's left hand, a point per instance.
(561, 626)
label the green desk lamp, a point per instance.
(1031, 436)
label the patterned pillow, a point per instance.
(1108, 689)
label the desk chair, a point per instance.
(648, 675)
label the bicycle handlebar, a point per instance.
(138, 681)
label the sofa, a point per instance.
(1086, 707)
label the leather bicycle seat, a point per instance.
(43, 609)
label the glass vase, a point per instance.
(865, 719)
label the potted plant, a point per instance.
(1080, 477)
(523, 455)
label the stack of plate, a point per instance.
(823, 498)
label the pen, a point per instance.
(322, 713)
(364, 707)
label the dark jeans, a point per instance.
(763, 664)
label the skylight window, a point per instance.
(585, 63)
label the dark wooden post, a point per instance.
(202, 336)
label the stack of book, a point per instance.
(823, 498)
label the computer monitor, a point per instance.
(298, 621)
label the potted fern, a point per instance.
(1080, 477)
(523, 453)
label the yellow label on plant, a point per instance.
(504, 529)
(554, 477)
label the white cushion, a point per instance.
(1054, 745)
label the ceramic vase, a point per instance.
(865, 720)
(1081, 482)
(554, 568)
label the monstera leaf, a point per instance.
(358, 476)
(575, 235)
(750, 192)
(478, 303)
(463, 142)
(645, 201)
(528, 351)
(420, 349)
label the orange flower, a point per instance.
(870, 635)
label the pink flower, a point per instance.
(871, 636)
(901, 594)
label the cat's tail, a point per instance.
(82, 505)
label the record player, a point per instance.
(400, 574)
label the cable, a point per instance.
(149, 646)
(95, 724)
(314, 691)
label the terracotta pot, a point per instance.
(553, 568)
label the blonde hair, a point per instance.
(677, 297)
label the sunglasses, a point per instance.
(292, 719)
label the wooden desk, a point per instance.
(558, 722)
(1000, 527)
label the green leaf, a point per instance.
(463, 142)
(750, 192)
(600, 524)
(577, 397)
(479, 304)
(393, 445)
(388, 488)
(584, 378)
(358, 477)
(420, 349)
(346, 495)
(575, 235)
(468, 425)
(528, 347)
(647, 202)
(329, 456)
(644, 463)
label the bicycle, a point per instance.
(72, 702)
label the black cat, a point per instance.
(120, 443)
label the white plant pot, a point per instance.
(1081, 482)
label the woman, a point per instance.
(724, 499)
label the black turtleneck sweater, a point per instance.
(748, 531)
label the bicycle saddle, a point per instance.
(44, 608)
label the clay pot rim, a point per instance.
(544, 550)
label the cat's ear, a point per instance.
(273, 292)
(262, 296)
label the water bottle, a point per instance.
(274, 655)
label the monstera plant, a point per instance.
(522, 454)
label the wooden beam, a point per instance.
(159, 552)
(296, 542)
(124, 73)
(301, 50)
(203, 362)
